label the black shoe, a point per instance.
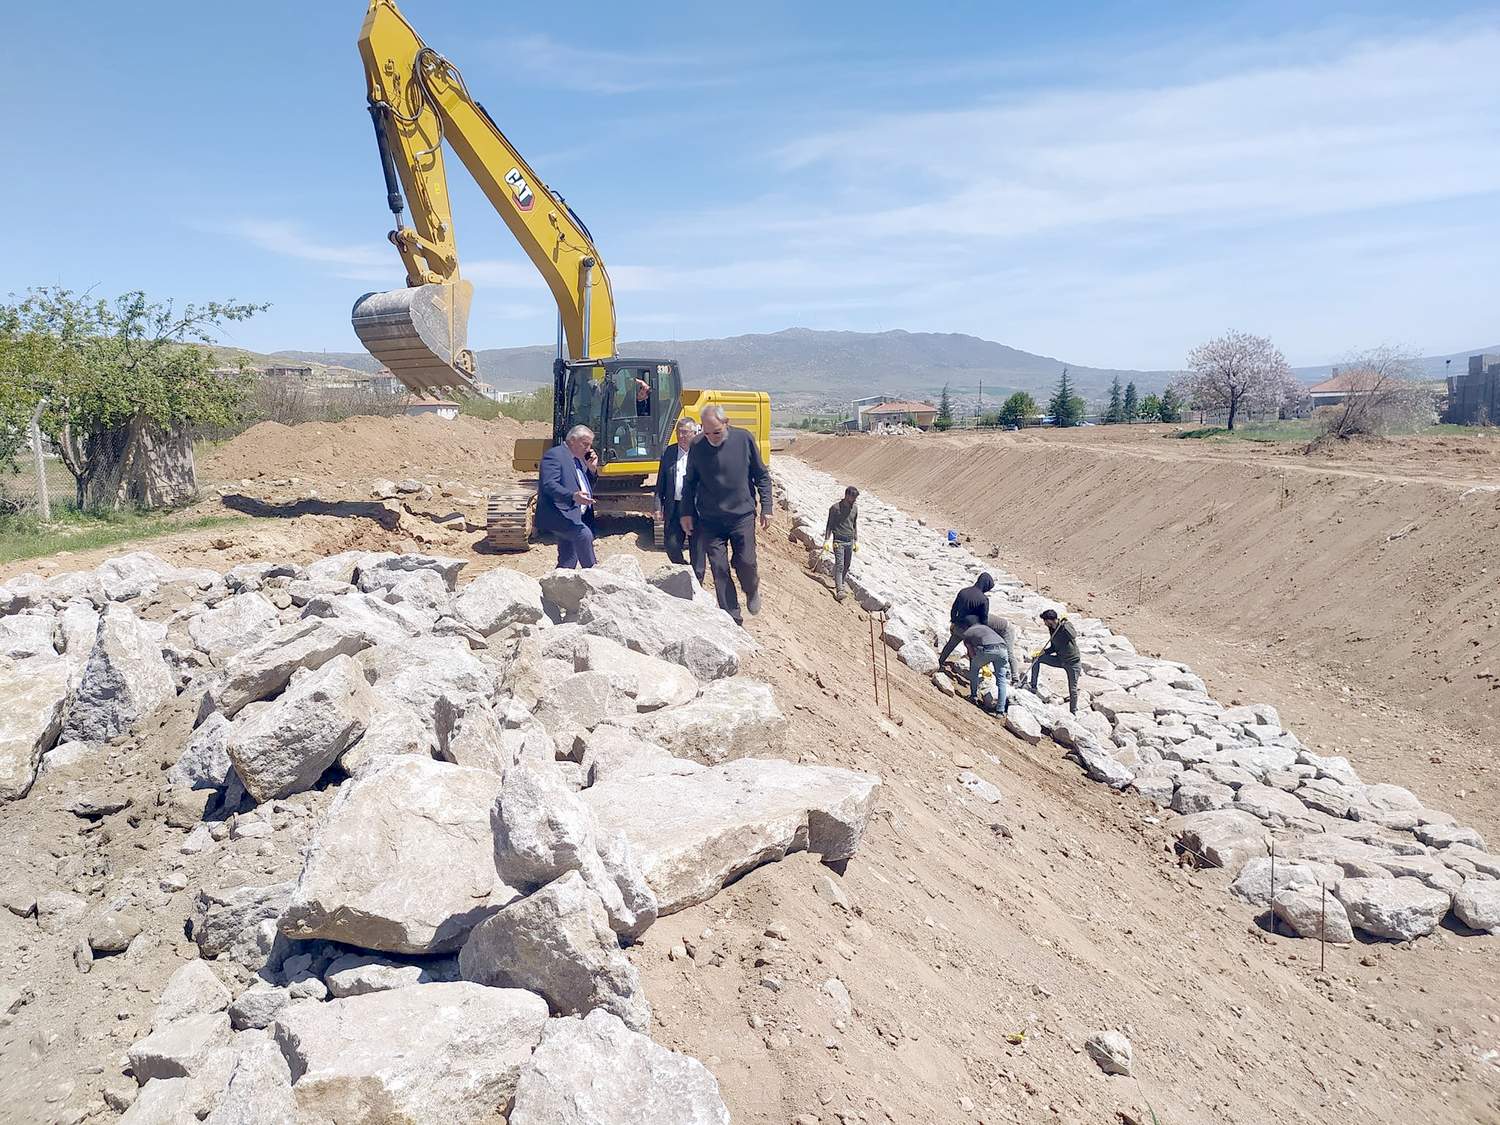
(752, 603)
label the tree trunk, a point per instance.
(139, 465)
(1234, 408)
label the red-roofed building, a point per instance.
(919, 414)
(1340, 385)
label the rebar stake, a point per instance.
(885, 652)
(874, 675)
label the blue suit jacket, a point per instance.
(556, 510)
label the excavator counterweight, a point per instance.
(421, 335)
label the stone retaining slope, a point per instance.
(1241, 786)
(527, 774)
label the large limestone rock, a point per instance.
(580, 703)
(694, 833)
(404, 861)
(235, 921)
(1399, 909)
(385, 571)
(374, 615)
(355, 974)
(1254, 881)
(134, 575)
(429, 692)
(285, 748)
(433, 1052)
(193, 990)
(204, 763)
(649, 682)
(259, 1091)
(499, 598)
(596, 1071)
(124, 680)
(1477, 905)
(32, 702)
(1220, 838)
(1309, 911)
(264, 669)
(647, 620)
(543, 830)
(233, 625)
(608, 751)
(181, 1049)
(566, 590)
(558, 943)
(25, 635)
(733, 718)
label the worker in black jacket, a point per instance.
(725, 477)
(1060, 651)
(671, 477)
(970, 602)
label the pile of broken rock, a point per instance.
(525, 774)
(1303, 835)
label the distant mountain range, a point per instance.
(1433, 366)
(808, 371)
(808, 368)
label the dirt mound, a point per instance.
(1361, 591)
(368, 447)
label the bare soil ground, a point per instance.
(1052, 915)
(1356, 589)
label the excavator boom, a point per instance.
(418, 100)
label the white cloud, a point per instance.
(1384, 123)
(356, 262)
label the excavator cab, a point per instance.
(630, 404)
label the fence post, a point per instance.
(43, 500)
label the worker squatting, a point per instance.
(708, 488)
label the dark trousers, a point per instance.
(955, 635)
(1054, 662)
(713, 540)
(575, 549)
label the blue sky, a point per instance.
(1104, 183)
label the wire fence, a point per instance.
(34, 481)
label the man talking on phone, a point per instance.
(565, 497)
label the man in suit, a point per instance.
(670, 478)
(565, 497)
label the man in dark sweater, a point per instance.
(725, 476)
(970, 602)
(841, 536)
(1060, 651)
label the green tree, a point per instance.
(1150, 409)
(121, 385)
(1171, 406)
(1115, 413)
(1132, 407)
(1017, 409)
(944, 419)
(1065, 407)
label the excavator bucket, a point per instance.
(421, 334)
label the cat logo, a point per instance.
(521, 190)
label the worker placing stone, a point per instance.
(1350, 855)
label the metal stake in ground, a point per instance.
(874, 675)
(885, 652)
(1322, 918)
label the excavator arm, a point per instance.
(417, 101)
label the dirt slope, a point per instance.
(1058, 913)
(1361, 591)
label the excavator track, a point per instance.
(510, 518)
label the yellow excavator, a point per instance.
(417, 101)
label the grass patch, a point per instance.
(1290, 431)
(25, 536)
